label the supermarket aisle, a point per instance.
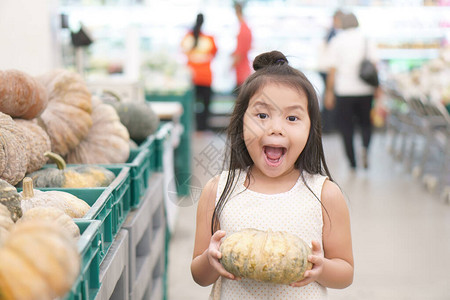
(401, 233)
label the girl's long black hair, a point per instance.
(270, 67)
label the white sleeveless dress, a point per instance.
(296, 211)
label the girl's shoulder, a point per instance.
(212, 183)
(315, 180)
(208, 195)
(332, 196)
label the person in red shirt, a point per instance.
(241, 63)
(200, 49)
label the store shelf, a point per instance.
(87, 284)
(157, 290)
(388, 54)
(182, 153)
(114, 270)
(148, 263)
(145, 245)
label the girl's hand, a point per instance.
(213, 253)
(330, 100)
(313, 274)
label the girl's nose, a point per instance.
(276, 127)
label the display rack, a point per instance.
(182, 155)
(146, 227)
(114, 270)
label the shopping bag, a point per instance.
(368, 73)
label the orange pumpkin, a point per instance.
(21, 95)
(39, 261)
(13, 151)
(67, 118)
(6, 223)
(38, 142)
(107, 141)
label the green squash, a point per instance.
(138, 117)
(81, 176)
(277, 257)
(10, 198)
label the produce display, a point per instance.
(67, 118)
(54, 214)
(277, 257)
(21, 95)
(53, 119)
(10, 198)
(107, 140)
(39, 261)
(68, 203)
(431, 80)
(81, 176)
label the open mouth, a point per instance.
(274, 155)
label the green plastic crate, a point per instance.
(120, 188)
(162, 137)
(150, 145)
(101, 201)
(110, 204)
(87, 284)
(140, 172)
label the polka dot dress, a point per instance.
(297, 211)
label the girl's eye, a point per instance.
(262, 116)
(292, 118)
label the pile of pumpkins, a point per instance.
(54, 118)
(56, 112)
(38, 242)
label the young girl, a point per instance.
(277, 179)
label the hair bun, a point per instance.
(269, 59)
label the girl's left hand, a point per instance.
(317, 260)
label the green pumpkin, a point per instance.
(277, 257)
(10, 198)
(82, 176)
(138, 117)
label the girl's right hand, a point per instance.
(213, 253)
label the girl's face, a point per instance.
(276, 128)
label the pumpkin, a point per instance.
(277, 257)
(73, 177)
(38, 142)
(10, 198)
(138, 117)
(68, 203)
(13, 150)
(6, 223)
(21, 95)
(107, 140)
(39, 262)
(67, 118)
(53, 214)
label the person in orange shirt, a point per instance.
(200, 50)
(241, 63)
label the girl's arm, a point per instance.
(205, 266)
(335, 270)
(337, 240)
(330, 101)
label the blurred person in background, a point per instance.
(200, 49)
(344, 89)
(328, 116)
(240, 62)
